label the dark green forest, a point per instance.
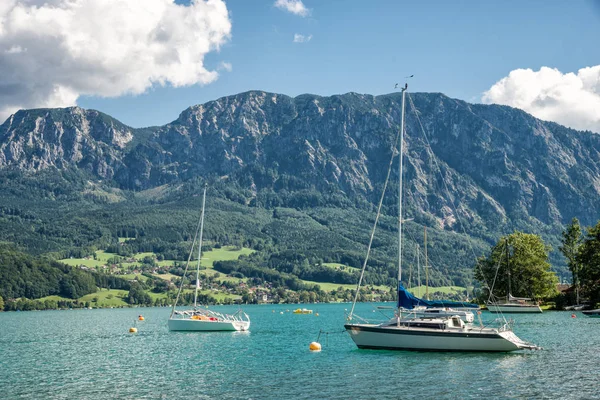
(61, 215)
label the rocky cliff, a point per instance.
(500, 165)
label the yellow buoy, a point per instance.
(281, 312)
(132, 330)
(314, 346)
(317, 314)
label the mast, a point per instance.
(200, 247)
(419, 269)
(400, 195)
(426, 268)
(507, 271)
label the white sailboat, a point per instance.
(512, 305)
(440, 333)
(198, 318)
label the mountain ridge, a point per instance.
(503, 168)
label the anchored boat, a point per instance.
(411, 331)
(198, 318)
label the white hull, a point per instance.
(514, 308)
(177, 324)
(369, 336)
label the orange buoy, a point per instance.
(141, 318)
(314, 346)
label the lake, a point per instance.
(89, 354)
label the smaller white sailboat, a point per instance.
(514, 305)
(203, 319)
(426, 308)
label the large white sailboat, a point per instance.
(199, 318)
(412, 332)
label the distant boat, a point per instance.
(198, 318)
(438, 333)
(302, 311)
(522, 305)
(592, 313)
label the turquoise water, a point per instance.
(89, 354)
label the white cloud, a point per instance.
(225, 66)
(53, 51)
(298, 38)
(293, 6)
(569, 99)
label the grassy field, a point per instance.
(76, 262)
(328, 287)
(55, 298)
(131, 277)
(340, 267)
(420, 290)
(208, 258)
(115, 300)
(225, 253)
(166, 277)
(220, 296)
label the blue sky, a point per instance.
(460, 48)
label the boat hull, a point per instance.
(176, 324)
(367, 336)
(592, 313)
(514, 308)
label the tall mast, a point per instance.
(507, 270)
(419, 269)
(400, 189)
(200, 247)
(426, 268)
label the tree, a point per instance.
(589, 257)
(571, 244)
(137, 295)
(523, 257)
(1, 304)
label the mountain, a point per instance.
(501, 168)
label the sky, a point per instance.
(145, 61)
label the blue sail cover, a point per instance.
(408, 301)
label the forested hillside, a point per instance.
(296, 179)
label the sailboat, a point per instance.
(443, 333)
(426, 308)
(514, 305)
(199, 318)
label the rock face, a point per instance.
(33, 140)
(499, 165)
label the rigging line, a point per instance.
(186, 268)
(414, 109)
(387, 178)
(494, 282)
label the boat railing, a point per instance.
(238, 316)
